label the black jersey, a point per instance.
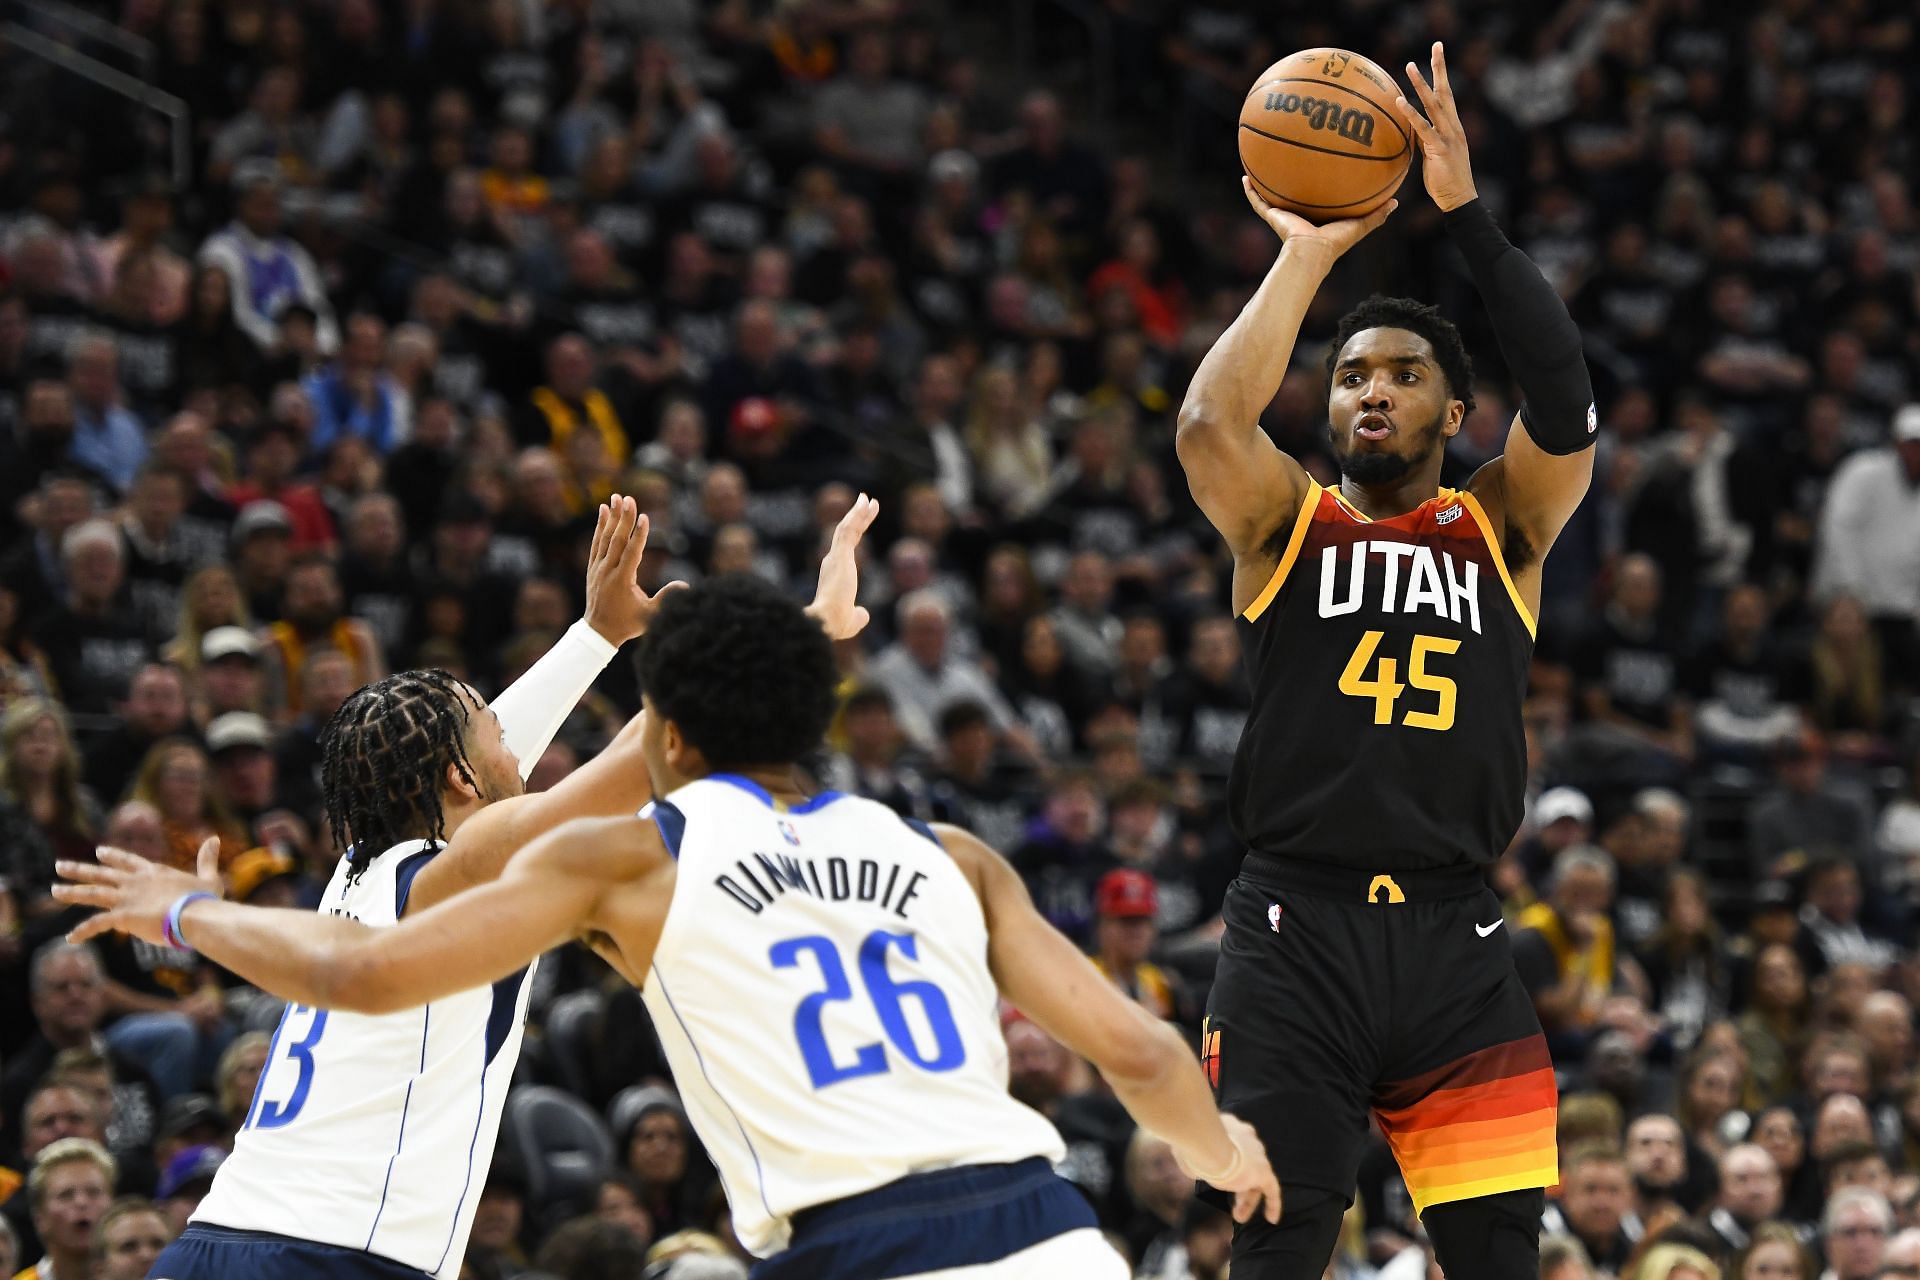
(1388, 660)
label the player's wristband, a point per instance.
(1537, 336)
(170, 923)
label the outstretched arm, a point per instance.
(1152, 1071)
(546, 897)
(1548, 462)
(1244, 484)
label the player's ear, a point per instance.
(682, 756)
(1456, 415)
(459, 786)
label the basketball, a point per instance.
(1319, 135)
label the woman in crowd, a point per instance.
(176, 779)
(44, 811)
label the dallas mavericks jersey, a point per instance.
(375, 1133)
(822, 992)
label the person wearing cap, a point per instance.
(1561, 818)
(268, 268)
(230, 678)
(271, 464)
(264, 877)
(262, 548)
(188, 1121)
(185, 1182)
(245, 774)
(1869, 541)
(1124, 933)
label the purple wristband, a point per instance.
(170, 923)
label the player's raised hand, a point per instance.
(835, 599)
(617, 607)
(1334, 238)
(1251, 1178)
(133, 894)
(1442, 138)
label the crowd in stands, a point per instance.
(446, 274)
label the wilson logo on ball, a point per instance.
(1351, 123)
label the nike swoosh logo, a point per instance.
(1486, 930)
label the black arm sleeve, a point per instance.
(1537, 335)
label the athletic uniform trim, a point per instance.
(759, 1172)
(926, 1223)
(672, 824)
(1301, 523)
(1479, 514)
(406, 1105)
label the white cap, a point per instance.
(1562, 802)
(226, 642)
(1906, 423)
(238, 729)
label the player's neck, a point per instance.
(1395, 498)
(777, 781)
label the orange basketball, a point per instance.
(1319, 135)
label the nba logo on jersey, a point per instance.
(1451, 514)
(786, 829)
(1273, 916)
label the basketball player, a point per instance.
(822, 972)
(363, 1151)
(1388, 628)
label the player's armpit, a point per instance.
(1537, 491)
(615, 782)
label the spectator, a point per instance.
(268, 271)
(924, 679)
(975, 794)
(1594, 1205)
(658, 1150)
(354, 396)
(497, 1221)
(1775, 1254)
(184, 1183)
(107, 437)
(41, 800)
(127, 1240)
(231, 677)
(1042, 1074)
(1774, 1028)
(1741, 684)
(1125, 902)
(1751, 1194)
(871, 764)
(313, 613)
(1657, 1161)
(1808, 810)
(93, 644)
(1564, 946)
(239, 1074)
(269, 496)
(156, 708)
(867, 122)
(176, 779)
(71, 1185)
(1629, 671)
(1869, 530)
(1832, 917)
(620, 1200)
(1159, 1192)
(164, 545)
(1854, 1232)
(1064, 856)
(569, 401)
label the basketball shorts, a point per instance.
(1342, 995)
(978, 1222)
(208, 1252)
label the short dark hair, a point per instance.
(964, 714)
(1381, 312)
(747, 676)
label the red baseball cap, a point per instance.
(1127, 894)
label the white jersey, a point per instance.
(822, 992)
(375, 1133)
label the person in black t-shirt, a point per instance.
(1742, 686)
(1629, 671)
(971, 791)
(92, 641)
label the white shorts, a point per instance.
(1076, 1255)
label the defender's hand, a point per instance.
(133, 894)
(834, 604)
(616, 606)
(1332, 238)
(1251, 1178)
(1442, 138)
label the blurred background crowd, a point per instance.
(319, 349)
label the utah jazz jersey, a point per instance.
(1388, 660)
(375, 1133)
(822, 993)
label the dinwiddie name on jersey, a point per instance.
(1413, 578)
(761, 882)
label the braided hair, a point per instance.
(384, 760)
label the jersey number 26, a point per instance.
(887, 997)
